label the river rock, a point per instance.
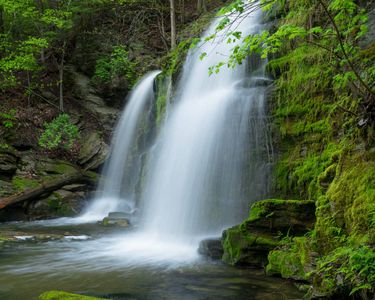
(119, 219)
(211, 247)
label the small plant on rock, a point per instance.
(59, 133)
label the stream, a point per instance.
(92, 260)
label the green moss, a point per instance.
(164, 86)
(266, 208)
(57, 206)
(242, 247)
(60, 295)
(291, 260)
(63, 168)
(22, 183)
(346, 270)
(348, 207)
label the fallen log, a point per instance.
(46, 187)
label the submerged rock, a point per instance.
(119, 219)
(60, 295)
(211, 248)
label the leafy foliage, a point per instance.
(346, 24)
(347, 266)
(60, 133)
(117, 64)
(8, 118)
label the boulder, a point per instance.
(6, 188)
(250, 242)
(8, 164)
(211, 247)
(93, 152)
(245, 248)
(90, 99)
(58, 204)
(54, 167)
(295, 217)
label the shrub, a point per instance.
(59, 133)
(117, 64)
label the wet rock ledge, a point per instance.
(249, 243)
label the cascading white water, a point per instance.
(116, 191)
(211, 158)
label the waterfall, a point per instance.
(211, 158)
(116, 191)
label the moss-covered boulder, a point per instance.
(292, 259)
(60, 295)
(50, 167)
(58, 204)
(250, 242)
(242, 247)
(286, 216)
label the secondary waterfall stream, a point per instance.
(117, 191)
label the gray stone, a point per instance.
(91, 100)
(8, 164)
(93, 152)
(59, 203)
(118, 219)
(211, 248)
(6, 188)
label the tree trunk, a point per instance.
(201, 6)
(61, 78)
(61, 93)
(173, 24)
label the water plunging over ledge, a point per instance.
(213, 154)
(210, 160)
(117, 191)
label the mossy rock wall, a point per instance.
(324, 155)
(250, 242)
